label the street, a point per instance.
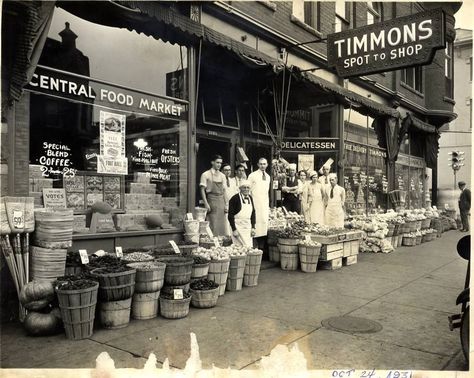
(409, 292)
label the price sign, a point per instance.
(342, 237)
(275, 184)
(18, 219)
(209, 232)
(178, 294)
(189, 216)
(307, 237)
(216, 241)
(84, 256)
(175, 246)
(119, 252)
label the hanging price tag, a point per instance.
(216, 241)
(18, 219)
(189, 216)
(84, 256)
(175, 246)
(119, 252)
(275, 184)
(209, 232)
(178, 294)
(307, 237)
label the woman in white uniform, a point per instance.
(313, 200)
(241, 216)
(335, 199)
(259, 188)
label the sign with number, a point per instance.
(84, 256)
(119, 252)
(178, 294)
(18, 219)
(216, 241)
(175, 246)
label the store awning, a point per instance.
(410, 122)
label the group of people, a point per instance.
(239, 206)
(319, 199)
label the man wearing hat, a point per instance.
(464, 205)
(241, 216)
(291, 191)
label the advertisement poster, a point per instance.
(305, 162)
(115, 166)
(54, 198)
(112, 158)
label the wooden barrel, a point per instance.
(78, 311)
(47, 264)
(200, 271)
(174, 308)
(191, 226)
(235, 277)
(145, 305)
(115, 286)
(309, 257)
(188, 249)
(169, 289)
(288, 245)
(204, 298)
(115, 314)
(178, 269)
(289, 261)
(252, 268)
(218, 271)
(274, 253)
(149, 277)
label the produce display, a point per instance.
(316, 228)
(375, 245)
(137, 257)
(309, 243)
(204, 284)
(37, 295)
(43, 323)
(223, 253)
(73, 259)
(110, 262)
(170, 296)
(289, 233)
(73, 283)
(198, 260)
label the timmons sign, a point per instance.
(387, 46)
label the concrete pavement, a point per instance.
(410, 292)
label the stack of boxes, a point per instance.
(338, 250)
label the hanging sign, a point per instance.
(175, 247)
(84, 256)
(119, 252)
(387, 46)
(306, 162)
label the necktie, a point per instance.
(332, 192)
(247, 199)
(264, 178)
(326, 179)
(228, 183)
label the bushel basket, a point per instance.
(115, 286)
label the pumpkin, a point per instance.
(153, 221)
(101, 207)
(40, 324)
(36, 295)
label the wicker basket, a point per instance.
(148, 280)
(169, 289)
(200, 271)
(47, 264)
(115, 286)
(425, 223)
(391, 230)
(274, 253)
(174, 308)
(418, 240)
(178, 269)
(252, 268)
(409, 241)
(288, 245)
(309, 257)
(204, 298)
(218, 272)
(235, 277)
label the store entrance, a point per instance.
(254, 152)
(207, 149)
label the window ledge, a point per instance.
(269, 4)
(449, 99)
(413, 90)
(308, 28)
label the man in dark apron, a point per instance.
(212, 194)
(291, 191)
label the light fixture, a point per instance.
(140, 143)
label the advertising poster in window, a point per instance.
(305, 162)
(112, 157)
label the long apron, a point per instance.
(262, 205)
(316, 208)
(216, 201)
(243, 225)
(334, 215)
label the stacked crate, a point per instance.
(338, 250)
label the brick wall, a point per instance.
(21, 146)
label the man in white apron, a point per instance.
(241, 216)
(259, 188)
(335, 197)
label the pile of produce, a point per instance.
(147, 265)
(223, 240)
(171, 297)
(412, 234)
(73, 282)
(222, 253)
(199, 260)
(73, 259)
(427, 231)
(289, 233)
(310, 243)
(276, 218)
(204, 284)
(108, 262)
(137, 257)
(375, 226)
(375, 245)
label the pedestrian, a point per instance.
(302, 176)
(314, 200)
(241, 216)
(212, 194)
(464, 205)
(292, 190)
(335, 197)
(259, 189)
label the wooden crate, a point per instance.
(326, 256)
(330, 265)
(347, 249)
(355, 247)
(331, 247)
(351, 260)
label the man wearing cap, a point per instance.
(464, 205)
(292, 190)
(241, 216)
(324, 179)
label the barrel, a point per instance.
(309, 257)
(252, 268)
(274, 253)
(169, 289)
(218, 272)
(78, 311)
(115, 314)
(289, 261)
(191, 226)
(178, 269)
(174, 308)
(235, 277)
(288, 245)
(188, 249)
(203, 225)
(115, 286)
(204, 298)
(272, 238)
(149, 277)
(192, 238)
(47, 264)
(145, 305)
(200, 213)
(200, 271)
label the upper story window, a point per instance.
(311, 14)
(374, 12)
(342, 17)
(413, 77)
(448, 70)
(307, 15)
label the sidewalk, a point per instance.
(410, 292)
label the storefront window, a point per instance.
(410, 177)
(109, 132)
(317, 122)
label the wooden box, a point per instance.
(350, 260)
(355, 247)
(331, 255)
(347, 249)
(330, 265)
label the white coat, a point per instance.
(259, 189)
